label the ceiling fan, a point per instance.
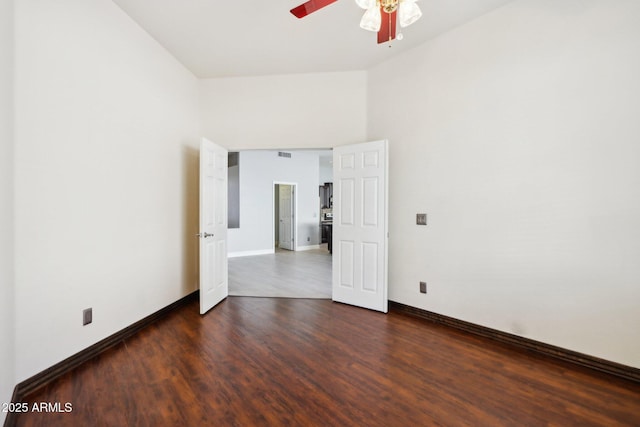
(380, 16)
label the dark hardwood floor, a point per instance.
(264, 361)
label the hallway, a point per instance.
(288, 274)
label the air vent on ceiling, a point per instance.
(283, 154)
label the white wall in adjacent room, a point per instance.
(106, 177)
(233, 198)
(7, 312)
(259, 169)
(326, 168)
(517, 134)
(300, 111)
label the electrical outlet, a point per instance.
(87, 316)
(421, 219)
(423, 287)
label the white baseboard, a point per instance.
(250, 253)
(308, 248)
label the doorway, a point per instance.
(277, 250)
(359, 260)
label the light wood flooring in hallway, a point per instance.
(286, 274)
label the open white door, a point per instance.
(214, 285)
(360, 225)
(286, 238)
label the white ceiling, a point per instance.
(215, 38)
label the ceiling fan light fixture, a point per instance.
(366, 4)
(372, 19)
(408, 13)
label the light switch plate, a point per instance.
(421, 219)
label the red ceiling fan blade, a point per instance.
(309, 7)
(388, 27)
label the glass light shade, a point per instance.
(408, 13)
(372, 19)
(366, 4)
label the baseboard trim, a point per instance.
(250, 253)
(36, 382)
(592, 362)
(307, 248)
(11, 418)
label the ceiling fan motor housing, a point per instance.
(389, 6)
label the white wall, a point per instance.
(326, 169)
(258, 171)
(518, 134)
(7, 314)
(302, 111)
(106, 177)
(233, 198)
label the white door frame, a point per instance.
(295, 212)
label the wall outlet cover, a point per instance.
(421, 219)
(423, 287)
(87, 316)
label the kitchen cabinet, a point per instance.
(326, 213)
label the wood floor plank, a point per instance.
(310, 362)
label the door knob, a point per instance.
(205, 235)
